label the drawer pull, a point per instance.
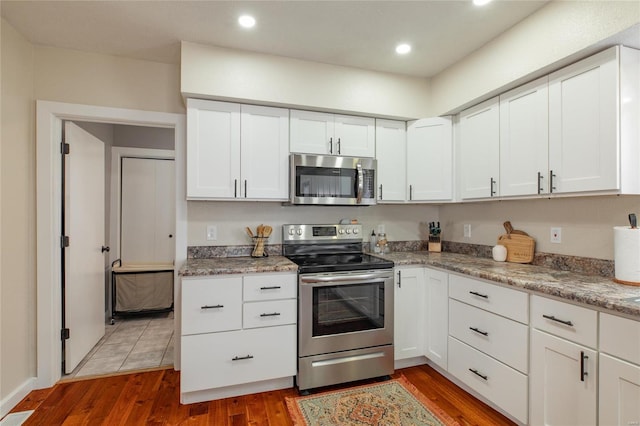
(475, 293)
(239, 358)
(274, 314)
(273, 287)
(484, 333)
(583, 358)
(211, 306)
(552, 318)
(474, 371)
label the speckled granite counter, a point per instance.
(236, 265)
(590, 290)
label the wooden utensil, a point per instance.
(249, 232)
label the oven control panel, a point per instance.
(321, 232)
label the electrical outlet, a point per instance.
(467, 230)
(556, 235)
(212, 232)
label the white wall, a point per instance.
(144, 137)
(236, 75)
(18, 222)
(559, 30)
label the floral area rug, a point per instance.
(392, 403)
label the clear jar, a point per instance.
(381, 246)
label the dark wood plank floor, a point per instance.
(152, 398)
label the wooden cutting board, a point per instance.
(520, 248)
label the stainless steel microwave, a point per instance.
(332, 180)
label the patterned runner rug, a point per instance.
(392, 403)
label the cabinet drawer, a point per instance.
(211, 304)
(503, 301)
(501, 384)
(269, 313)
(499, 337)
(270, 287)
(571, 322)
(620, 337)
(236, 357)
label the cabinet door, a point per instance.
(437, 314)
(312, 133)
(583, 126)
(560, 393)
(213, 149)
(619, 392)
(408, 322)
(264, 153)
(524, 140)
(480, 150)
(391, 153)
(354, 136)
(429, 159)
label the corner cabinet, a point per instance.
(479, 141)
(436, 316)
(408, 324)
(391, 153)
(236, 152)
(238, 335)
(332, 134)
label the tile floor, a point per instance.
(133, 343)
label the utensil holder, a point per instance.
(258, 247)
(435, 243)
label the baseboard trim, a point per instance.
(18, 394)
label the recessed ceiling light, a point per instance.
(481, 2)
(403, 49)
(247, 21)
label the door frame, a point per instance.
(49, 116)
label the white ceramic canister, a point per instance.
(499, 253)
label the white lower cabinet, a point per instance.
(408, 324)
(436, 315)
(239, 335)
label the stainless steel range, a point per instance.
(345, 305)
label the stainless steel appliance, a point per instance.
(332, 180)
(345, 305)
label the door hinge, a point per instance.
(64, 334)
(64, 148)
(64, 241)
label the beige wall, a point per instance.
(18, 223)
(557, 31)
(274, 80)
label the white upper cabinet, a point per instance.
(593, 124)
(332, 134)
(430, 159)
(391, 153)
(480, 150)
(236, 151)
(524, 140)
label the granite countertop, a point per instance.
(593, 290)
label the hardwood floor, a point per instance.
(152, 398)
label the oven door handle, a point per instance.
(360, 183)
(351, 279)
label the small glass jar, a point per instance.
(381, 245)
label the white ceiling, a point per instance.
(360, 34)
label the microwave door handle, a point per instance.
(360, 183)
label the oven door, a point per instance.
(340, 311)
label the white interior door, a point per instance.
(84, 260)
(148, 210)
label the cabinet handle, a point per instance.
(484, 333)
(273, 287)
(552, 318)
(273, 314)
(491, 183)
(235, 188)
(475, 293)
(211, 306)
(238, 358)
(410, 192)
(540, 177)
(583, 358)
(482, 376)
(330, 145)
(381, 191)
(399, 279)
(245, 188)
(338, 145)
(551, 176)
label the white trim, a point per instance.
(49, 116)
(16, 396)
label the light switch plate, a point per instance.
(212, 232)
(467, 230)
